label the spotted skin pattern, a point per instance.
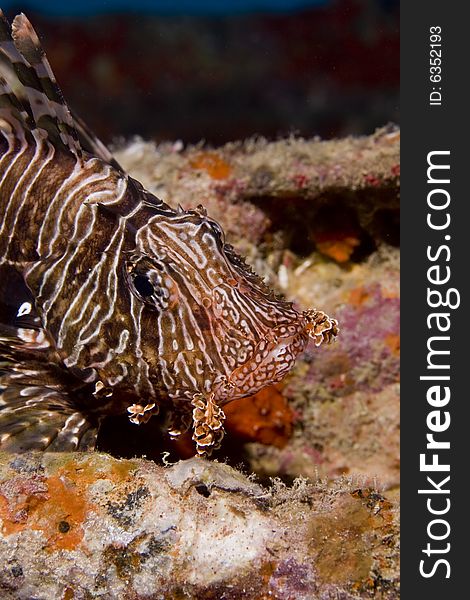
(110, 300)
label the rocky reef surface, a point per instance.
(91, 526)
(315, 513)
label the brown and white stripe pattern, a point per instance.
(131, 299)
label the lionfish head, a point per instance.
(218, 325)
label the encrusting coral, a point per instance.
(84, 526)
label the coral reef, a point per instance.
(90, 526)
(346, 398)
(347, 186)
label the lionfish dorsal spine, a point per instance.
(44, 99)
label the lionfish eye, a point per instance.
(143, 285)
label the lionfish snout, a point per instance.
(275, 354)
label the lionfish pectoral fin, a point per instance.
(208, 419)
(35, 416)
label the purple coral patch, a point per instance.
(364, 356)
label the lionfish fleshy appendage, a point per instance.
(140, 414)
(320, 327)
(208, 420)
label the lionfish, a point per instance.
(111, 301)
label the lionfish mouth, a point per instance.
(275, 355)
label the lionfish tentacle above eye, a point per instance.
(111, 302)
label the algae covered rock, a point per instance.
(91, 526)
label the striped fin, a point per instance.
(44, 103)
(34, 417)
(10, 103)
(18, 101)
(38, 407)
